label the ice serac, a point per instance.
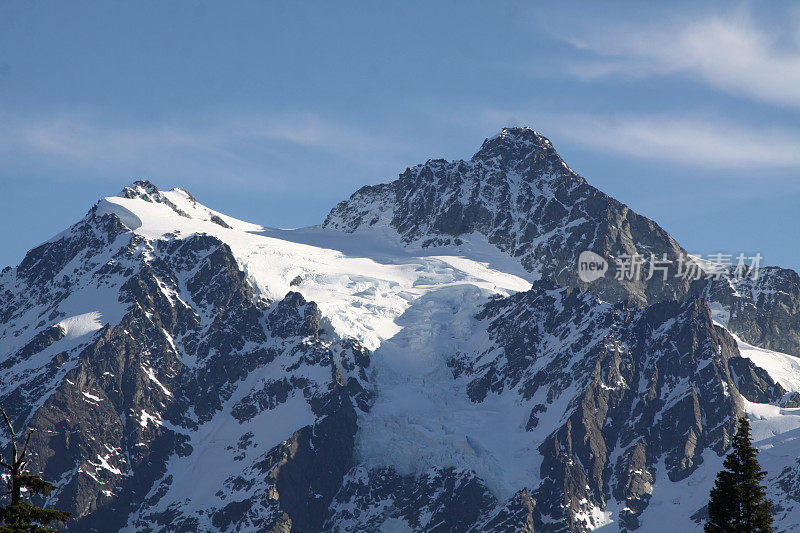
(519, 194)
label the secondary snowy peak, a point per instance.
(518, 194)
(127, 346)
(180, 201)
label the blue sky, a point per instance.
(274, 111)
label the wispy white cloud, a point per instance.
(684, 140)
(731, 52)
(699, 141)
(279, 152)
(82, 136)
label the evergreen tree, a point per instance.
(20, 516)
(738, 503)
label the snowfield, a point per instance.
(783, 368)
(362, 282)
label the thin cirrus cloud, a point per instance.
(219, 143)
(730, 52)
(689, 141)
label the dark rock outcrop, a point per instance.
(764, 311)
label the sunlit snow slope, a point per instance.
(361, 282)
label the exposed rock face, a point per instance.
(520, 195)
(764, 311)
(630, 389)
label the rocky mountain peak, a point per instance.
(519, 194)
(516, 145)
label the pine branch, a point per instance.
(36, 484)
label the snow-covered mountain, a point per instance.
(427, 359)
(523, 198)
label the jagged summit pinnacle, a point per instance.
(139, 189)
(147, 191)
(515, 144)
